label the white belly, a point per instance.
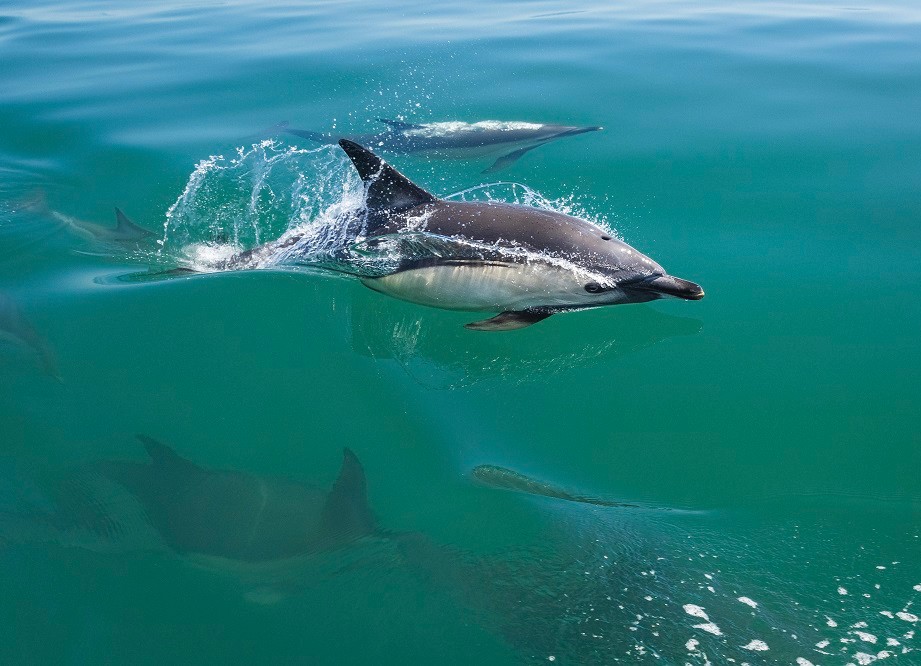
(485, 286)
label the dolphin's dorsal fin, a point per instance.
(388, 191)
(399, 124)
(163, 456)
(347, 513)
(123, 223)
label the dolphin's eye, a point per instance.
(605, 237)
(594, 288)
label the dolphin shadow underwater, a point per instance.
(433, 351)
(604, 582)
(454, 138)
(273, 534)
(523, 262)
(17, 329)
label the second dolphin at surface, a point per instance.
(455, 138)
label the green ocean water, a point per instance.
(770, 432)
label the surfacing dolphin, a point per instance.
(243, 517)
(526, 263)
(455, 138)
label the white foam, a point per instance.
(748, 602)
(908, 617)
(459, 127)
(842, 591)
(891, 642)
(830, 622)
(710, 628)
(917, 588)
(865, 637)
(800, 661)
(692, 644)
(696, 611)
(756, 645)
(887, 614)
(823, 644)
(863, 658)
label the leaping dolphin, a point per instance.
(525, 263)
(468, 140)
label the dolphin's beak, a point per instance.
(666, 285)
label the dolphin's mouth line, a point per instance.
(667, 285)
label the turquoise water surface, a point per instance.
(767, 434)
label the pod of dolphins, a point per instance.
(524, 263)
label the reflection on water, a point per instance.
(436, 351)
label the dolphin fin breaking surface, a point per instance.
(389, 191)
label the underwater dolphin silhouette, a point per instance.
(244, 517)
(125, 230)
(15, 327)
(455, 138)
(508, 479)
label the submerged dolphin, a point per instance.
(16, 328)
(512, 139)
(243, 517)
(507, 479)
(526, 263)
(124, 231)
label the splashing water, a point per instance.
(302, 205)
(262, 193)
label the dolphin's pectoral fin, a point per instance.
(398, 124)
(507, 160)
(509, 321)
